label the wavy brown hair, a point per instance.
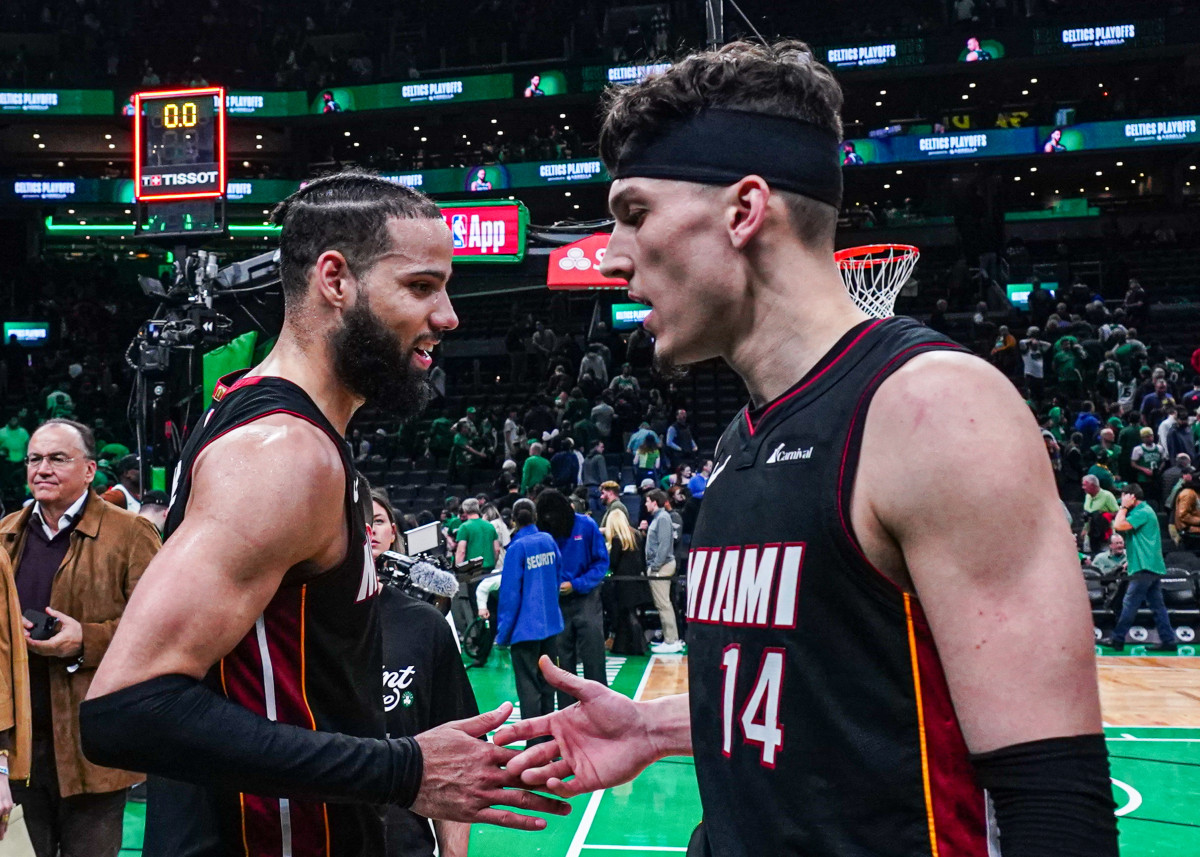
(782, 79)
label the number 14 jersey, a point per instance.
(821, 720)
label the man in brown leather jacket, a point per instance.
(76, 558)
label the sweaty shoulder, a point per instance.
(280, 476)
(948, 427)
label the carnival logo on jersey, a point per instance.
(780, 455)
(738, 585)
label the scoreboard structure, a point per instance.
(179, 161)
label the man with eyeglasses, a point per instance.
(75, 559)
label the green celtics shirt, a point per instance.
(480, 536)
(1143, 543)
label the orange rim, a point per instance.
(856, 255)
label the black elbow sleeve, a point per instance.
(174, 726)
(1052, 798)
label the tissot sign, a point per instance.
(487, 232)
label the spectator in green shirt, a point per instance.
(535, 471)
(1107, 443)
(1102, 473)
(1100, 507)
(14, 441)
(477, 538)
(1147, 459)
(441, 437)
(1112, 561)
(1127, 439)
(1138, 523)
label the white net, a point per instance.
(874, 275)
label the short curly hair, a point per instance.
(781, 79)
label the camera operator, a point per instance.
(424, 685)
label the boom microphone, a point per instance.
(433, 580)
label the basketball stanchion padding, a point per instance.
(874, 274)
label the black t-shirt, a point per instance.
(424, 685)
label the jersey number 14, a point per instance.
(759, 713)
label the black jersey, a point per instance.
(821, 720)
(424, 685)
(311, 660)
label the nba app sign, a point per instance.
(494, 232)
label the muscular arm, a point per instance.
(253, 517)
(977, 531)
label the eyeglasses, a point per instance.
(56, 459)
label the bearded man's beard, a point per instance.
(372, 362)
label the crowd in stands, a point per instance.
(79, 374)
(1115, 407)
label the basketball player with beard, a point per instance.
(874, 670)
(244, 676)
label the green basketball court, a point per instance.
(1156, 772)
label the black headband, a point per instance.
(722, 146)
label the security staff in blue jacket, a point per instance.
(584, 565)
(530, 620)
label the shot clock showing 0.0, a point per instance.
(179, 144)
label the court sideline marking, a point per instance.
(589, 814)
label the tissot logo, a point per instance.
(780, 454)
(178, 179)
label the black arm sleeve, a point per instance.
(1052, 798)
(174, 726)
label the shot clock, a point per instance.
(179, 144)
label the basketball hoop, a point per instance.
(874, 274)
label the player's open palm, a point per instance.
(602, 740)
(464, 778)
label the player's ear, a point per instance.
(746, 211)
(332, 281)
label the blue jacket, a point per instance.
(584, 556)
(529, 589)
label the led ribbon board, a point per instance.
(179, 144)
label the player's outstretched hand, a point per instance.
(603, 739)
(464, 778)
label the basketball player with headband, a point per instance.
(875, 666)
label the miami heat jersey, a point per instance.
(821, 720)
(311, 660)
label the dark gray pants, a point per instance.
(80, 825)
(533, 691)
(582, 638)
